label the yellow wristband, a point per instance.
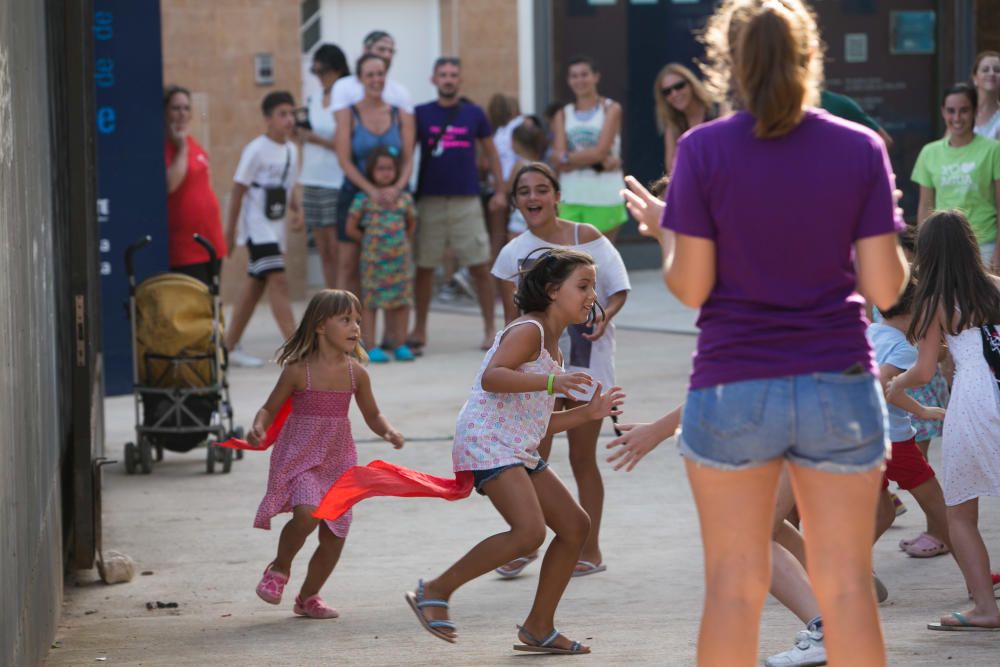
(550, 385)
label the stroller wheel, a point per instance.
(159, 453)
(145, 456)
(238, 432)
(131, 455)
(227, 458)
(210, 457)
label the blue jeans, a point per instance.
(830, 421)
(480, 477)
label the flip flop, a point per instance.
(963, 625)
(926, 546)
(416, 347)
(417, 603)
(545, 645)
(522, 561)
(588, 568)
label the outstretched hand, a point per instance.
(646, 208)
(568, 383)
(640, 439)
(605, 405)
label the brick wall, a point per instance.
(483, 33)
(209, 48)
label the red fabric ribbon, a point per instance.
(272, 431)
(380, 478)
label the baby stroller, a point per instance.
(178, 367)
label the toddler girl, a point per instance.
(384, 234)
(314, 447)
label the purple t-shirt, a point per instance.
(450, 170)
(784, 215)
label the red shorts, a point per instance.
(908, 468)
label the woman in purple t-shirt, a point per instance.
(772, 209)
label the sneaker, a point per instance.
(898, 504)
(237, 357)
(271, 585)
(460, 279)
(403, 353)
(808, 651)
(378, 356)
(447, 293)
(314, 607)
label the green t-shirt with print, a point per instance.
(963, 178)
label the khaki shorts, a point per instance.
(455, 222)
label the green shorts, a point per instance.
(605, 218)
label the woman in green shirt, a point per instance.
(962, 171)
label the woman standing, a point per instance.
(986, 79)
(962, 171)
(360, 128)
(586, 146)
(192, 207)
(783, 374)
(321, 175)
(682, 102)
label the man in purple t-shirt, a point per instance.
(449, 211)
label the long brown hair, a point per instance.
(666, 114)
(951, 278)
(325, 304)
(769, 55)
(982, 55)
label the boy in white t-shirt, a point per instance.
(262, 200)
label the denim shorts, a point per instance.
(480, 477)
(834, 422)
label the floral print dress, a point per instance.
(385, 252)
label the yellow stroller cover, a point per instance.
(174, 316)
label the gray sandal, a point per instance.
(418, 603)
(545, 645)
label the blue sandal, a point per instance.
(418, 603)
(545, 645)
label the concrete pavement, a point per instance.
(192, 533)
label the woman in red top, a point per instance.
(192, 207)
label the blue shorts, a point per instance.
(834, 422)
(480, 477)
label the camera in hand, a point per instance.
(302, 118)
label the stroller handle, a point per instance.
(130, 251)
(207, 245)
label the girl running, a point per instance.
(384, 233)
(508, 413)
(588, 348)
(321, 373)
(956, 298)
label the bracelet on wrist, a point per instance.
(550, 384)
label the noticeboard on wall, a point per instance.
(912, 32)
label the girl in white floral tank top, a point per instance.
(509, 411)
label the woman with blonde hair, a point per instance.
(986, 79)
(783, 376)
(682, 102)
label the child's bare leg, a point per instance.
(838, 514)
(293, 536)
(925, 446)
(789, 582)
(736, 512)
(281, 307)
(974, 561)
(348, 267)
(931, 500)
(397, 320)
(572, 526)
(323, 560)
(253, 289)
(368, 319)
(590, 486)
(885, 514)
(513, 494)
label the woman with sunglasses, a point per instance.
(322, 176)
(682, 102)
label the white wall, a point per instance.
(415, 25)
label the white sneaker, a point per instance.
(808, 652)
(240, 358)
(461, 280)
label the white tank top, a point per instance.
(991, 128)
(320, 167)
(586, 186)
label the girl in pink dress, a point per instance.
(322, 371)
(508, 412)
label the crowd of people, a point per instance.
(799, 412)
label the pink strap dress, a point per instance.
(314, 449)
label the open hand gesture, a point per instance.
(644, 207)
(571, 382)
(605, 405)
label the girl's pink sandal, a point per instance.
(271, 585)
(314, 607)
(926, 546)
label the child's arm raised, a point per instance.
(518, 346)
(291, 378)
(641, 439)
(376, 421)
(903, 400)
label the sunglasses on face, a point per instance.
(666, 91)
